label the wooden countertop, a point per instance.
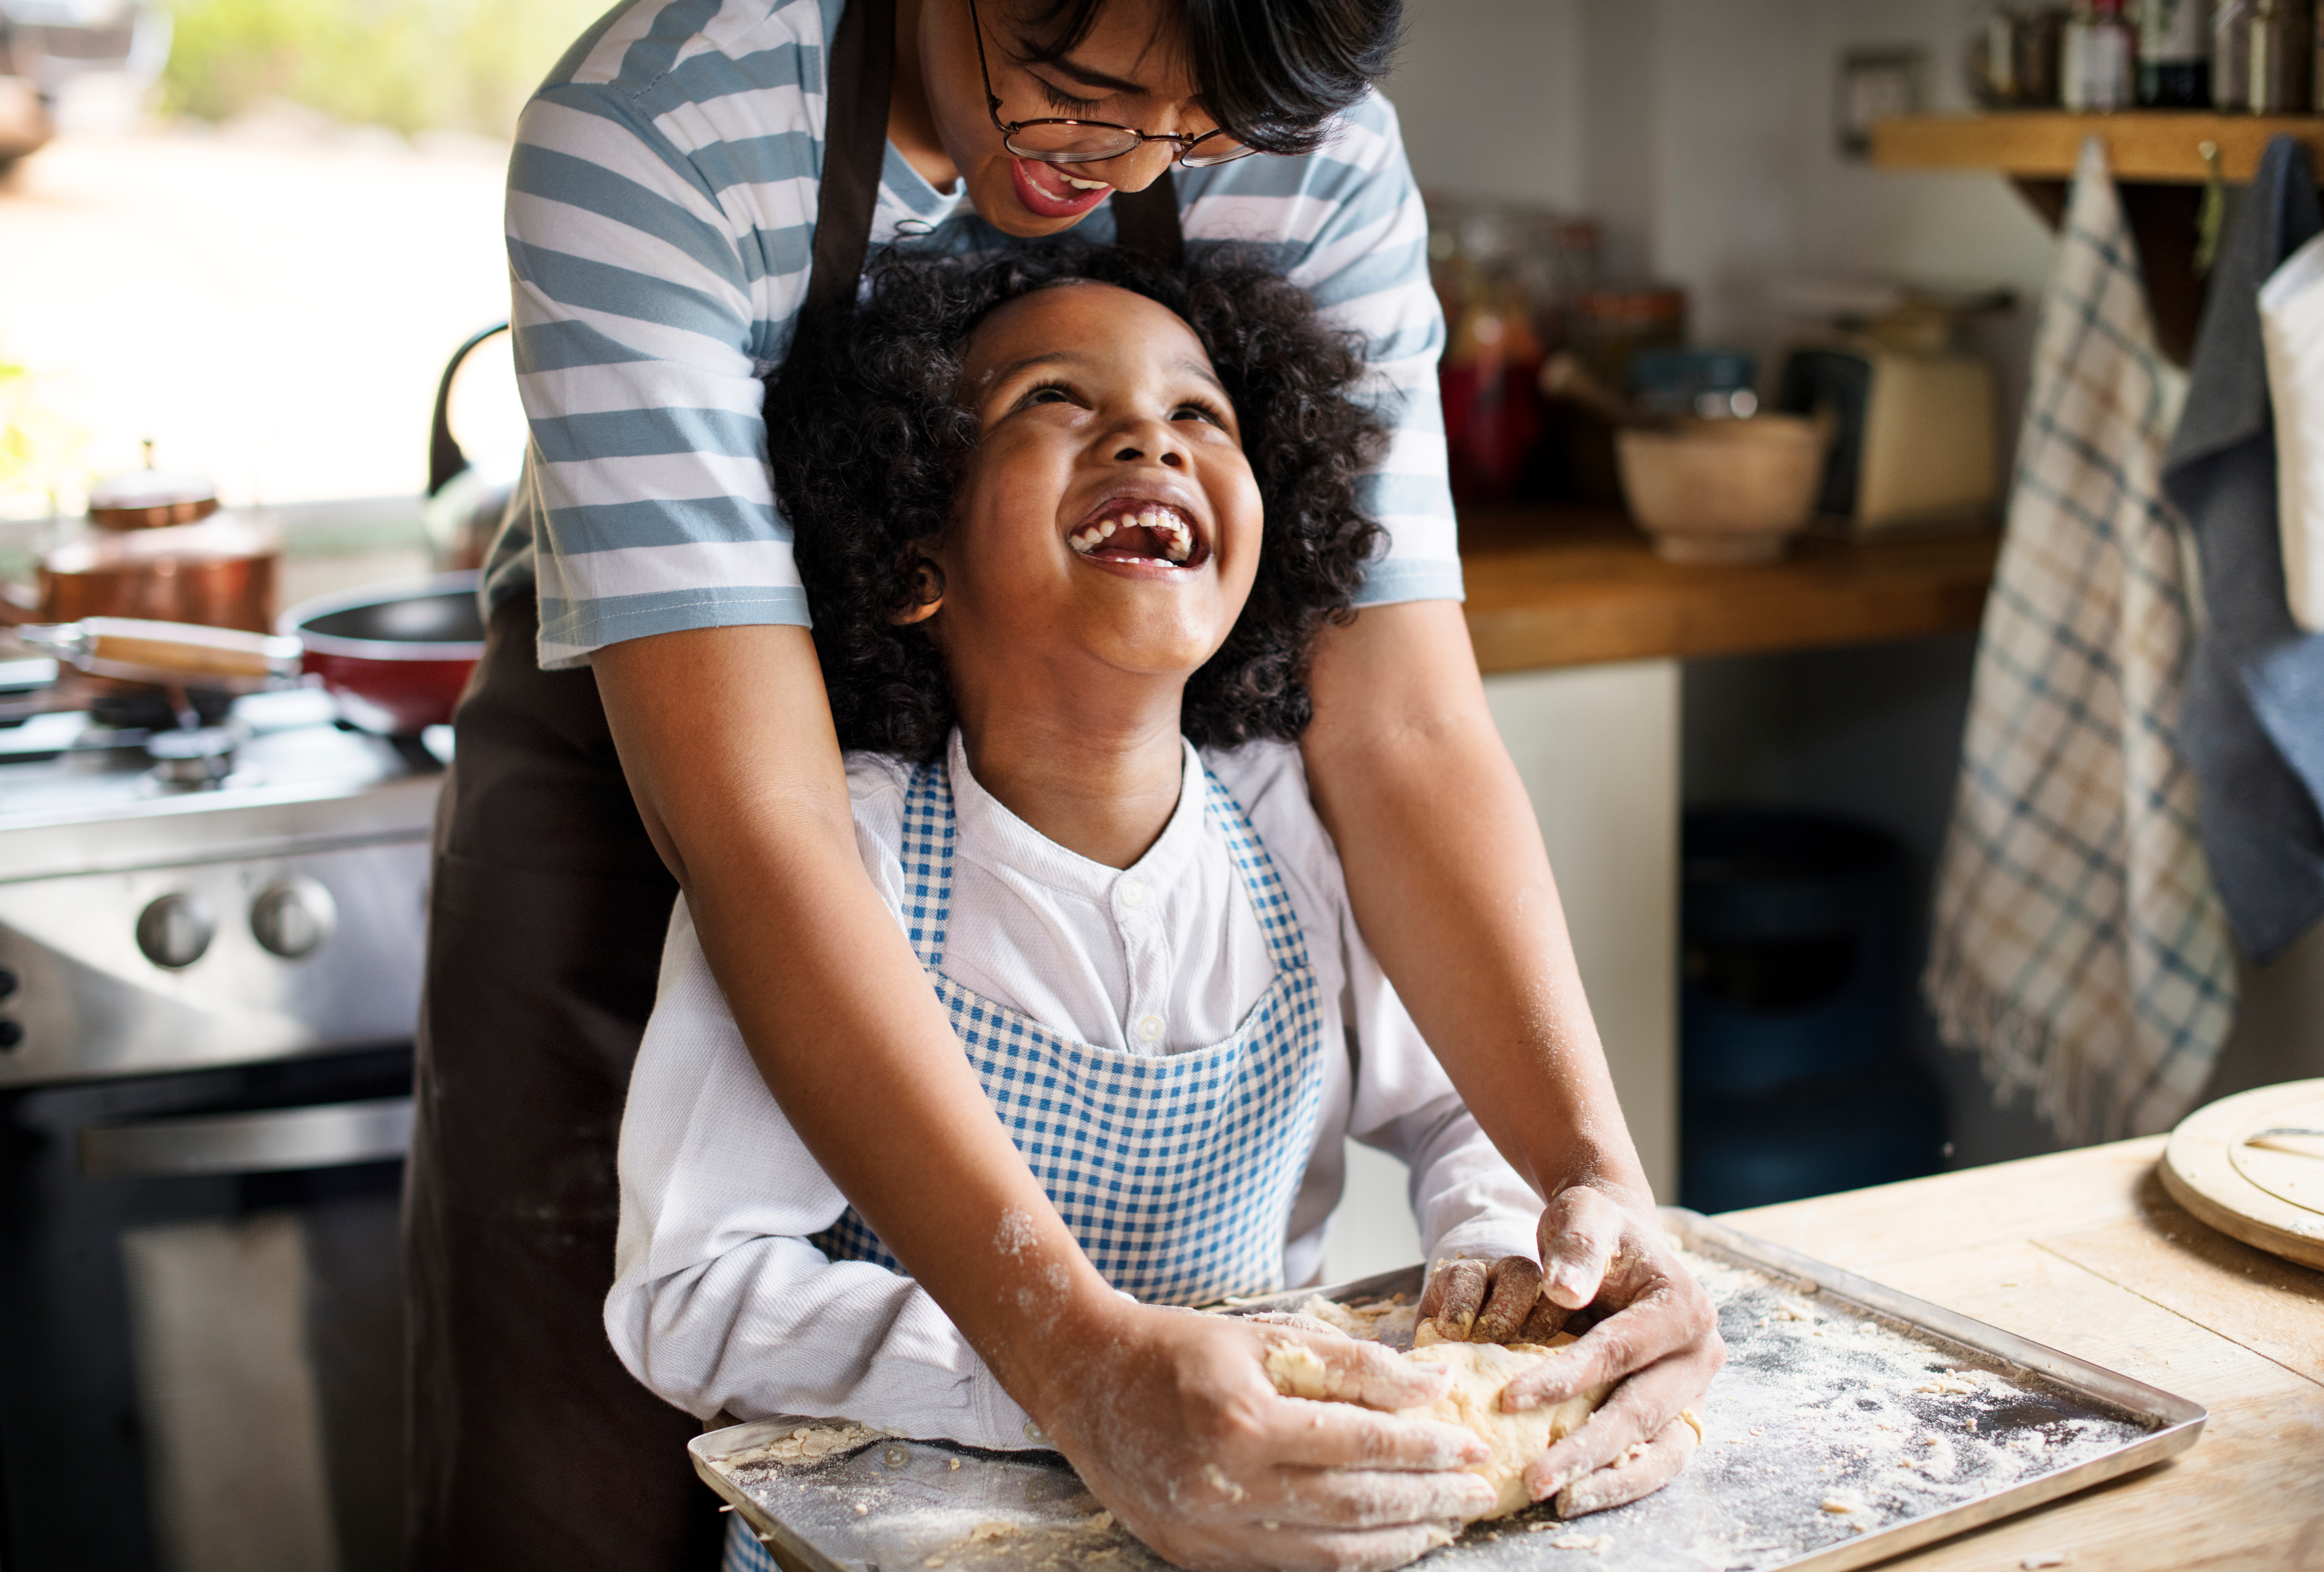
(2085, 1252)
(1573, 587)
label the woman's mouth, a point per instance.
(1135, 530)
(1047, 191)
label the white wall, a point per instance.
(1491, 95)
(1699, 133)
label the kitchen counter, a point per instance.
(1570, 586)
(2084, 1251)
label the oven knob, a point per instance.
(293, 917)
(11, 1032)
(176, 930)
(7, 983)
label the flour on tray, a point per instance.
(808, 1444)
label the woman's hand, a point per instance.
(1173, 1421)
(1657, 1334)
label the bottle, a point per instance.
(1993, 58)
(2101, 64)
(2281, 57)
(2231, 54)
(2174, 54)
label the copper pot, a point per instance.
(159, 548)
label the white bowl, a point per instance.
(1722, 491)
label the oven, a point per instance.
(206, 1002)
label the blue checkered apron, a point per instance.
(1175, 1171)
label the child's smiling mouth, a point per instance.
(1155, 536)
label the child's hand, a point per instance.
(1172, 1420)
(1490, 1301)
(1657, 1333)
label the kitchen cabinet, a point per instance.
(1580, 630)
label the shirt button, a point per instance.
(1133, 893)
(1149, 1027)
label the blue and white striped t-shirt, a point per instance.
(660, 219)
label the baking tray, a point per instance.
(1852, 1423)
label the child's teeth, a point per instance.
(1178, 537)
(1084, 185)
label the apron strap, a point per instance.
(1270, 898)
(855, 148)
(1147, 220)
(929, 830)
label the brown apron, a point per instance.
(530, 1445)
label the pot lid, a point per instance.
(147, 499)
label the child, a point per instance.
(1068, 525)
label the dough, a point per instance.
(1480, 1371)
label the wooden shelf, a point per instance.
(2160, 145)
(1574, 588)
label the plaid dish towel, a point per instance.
(2079, 945)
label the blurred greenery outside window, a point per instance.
(236, 357)
(410, 65)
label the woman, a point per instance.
(695, 186)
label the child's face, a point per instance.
(1108, 510)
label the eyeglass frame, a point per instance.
(1183, 143)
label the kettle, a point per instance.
(157, 547)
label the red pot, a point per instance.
(396, 658)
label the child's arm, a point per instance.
(719, 1299)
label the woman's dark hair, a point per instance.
(1272, 70)
(867, 442)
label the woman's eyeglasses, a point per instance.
(1057, 141)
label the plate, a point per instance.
(2269, 1195)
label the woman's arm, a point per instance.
(726, 738)
(1452, 886)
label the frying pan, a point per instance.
(395, 657)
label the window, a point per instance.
(256, 246)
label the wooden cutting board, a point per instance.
(2266, 1192)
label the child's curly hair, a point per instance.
(867, 443)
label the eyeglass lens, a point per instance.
(1081, 142)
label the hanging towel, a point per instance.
(2255, 721)
(2291, 323)
(2078, 945)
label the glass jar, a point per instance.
(2281, 57)
(1507, 278)
(2012, 57)
(2231, 54)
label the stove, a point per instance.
(211, 936)
(149, 925)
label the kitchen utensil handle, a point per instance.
(182, 651)
(444, 458)
(270, 1140)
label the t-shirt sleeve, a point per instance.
(1347, 224)
(657, 258)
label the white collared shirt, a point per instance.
(719, 1300)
